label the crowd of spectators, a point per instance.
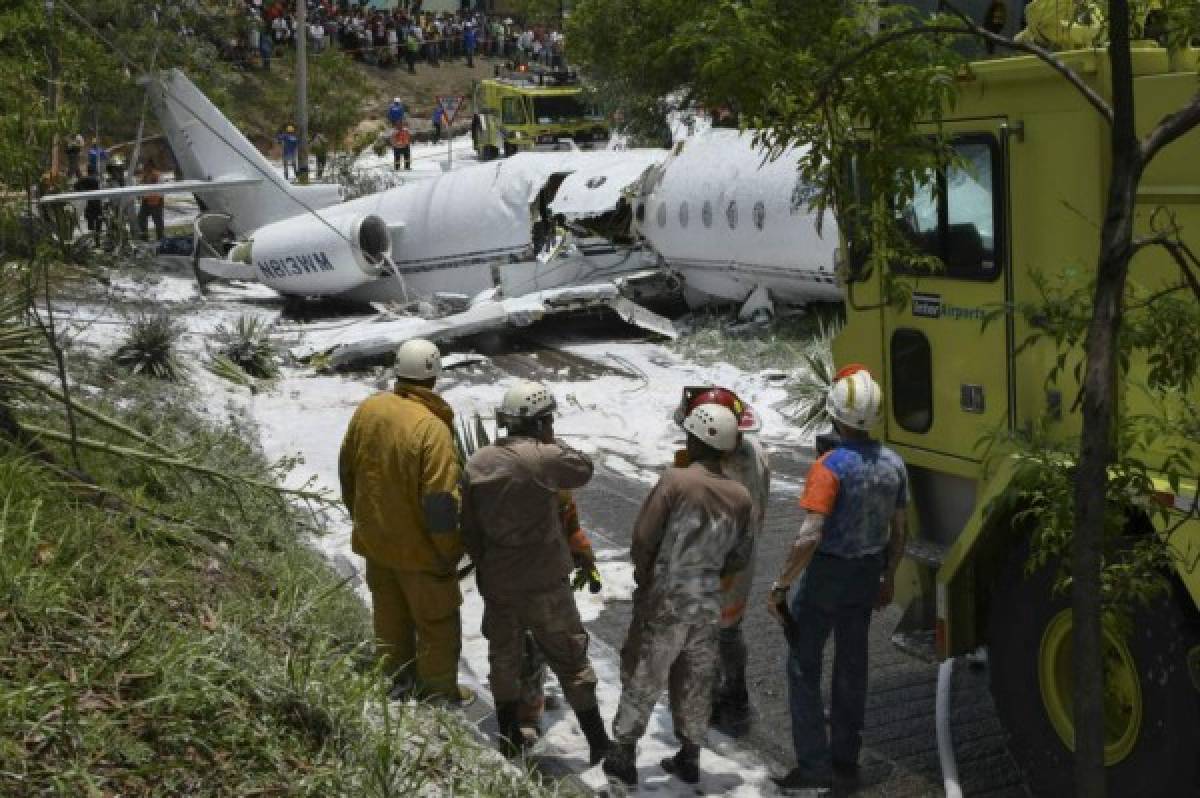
(390, 38)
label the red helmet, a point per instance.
(847, 370)
(693, 397)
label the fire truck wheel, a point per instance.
(1152, 692)
(509, 149)
(490, 153)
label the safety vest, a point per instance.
(401, 137)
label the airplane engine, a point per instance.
(321, 255)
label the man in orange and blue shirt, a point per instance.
(846, 555)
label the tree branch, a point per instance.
(174, 462)
(1184, 258)
(1171, 127)
(1043, 55)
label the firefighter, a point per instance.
(692, 531)
(747, 464)
(532, 703)
(844, 564)
(399, 473)
(513, 531)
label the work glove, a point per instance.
(587, 575)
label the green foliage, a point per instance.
(811, 384)
(149, 348)
(1137, 561)
(139, 660)
(248, 345)
(22, 345)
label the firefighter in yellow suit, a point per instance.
(399, 472)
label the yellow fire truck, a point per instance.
(1028, 196)
(532, 108)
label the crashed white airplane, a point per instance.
(712, 212)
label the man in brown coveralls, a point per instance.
(693, 529)
(512, 528)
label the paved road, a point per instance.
(900, 754)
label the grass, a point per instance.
(139, 658)
(799, 346)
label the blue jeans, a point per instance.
(837, 595)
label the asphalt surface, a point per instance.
(899, 757)
(900, 746)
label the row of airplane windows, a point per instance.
(759, 214)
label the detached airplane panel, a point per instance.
(597, 188)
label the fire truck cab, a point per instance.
(1029, 200)
(534, 109)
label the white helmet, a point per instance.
(715, 425)
(395, 99)
(418, 359)
(856, 401)
(526, 399)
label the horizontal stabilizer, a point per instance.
(178, 187)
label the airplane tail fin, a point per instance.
(207, 146)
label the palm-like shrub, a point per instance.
(150, 348)
(248, 345)
(811, 384)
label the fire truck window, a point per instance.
(912, 380)
(511, 113)
(953, 213)
(559, 109)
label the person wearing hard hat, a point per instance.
(399, 474)
(692, 531)
(747, 464)
(843, 564)
(512, 527)
(396, 112)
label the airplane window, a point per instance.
(731, 214)
(683, 214)
(760, 214)
(706, 213)
(954, 212)
(662, 214)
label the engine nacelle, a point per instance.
(325, 255)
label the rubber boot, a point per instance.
(621, 763)
(510, 729)
(593, 729)
(685, 764)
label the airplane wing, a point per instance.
(178, 187)
(375, 338)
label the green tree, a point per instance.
(810, 74)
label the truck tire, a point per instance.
(509, 150)
(1153, 709)
(490, 153)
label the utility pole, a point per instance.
(54, 90)
(302, 89)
